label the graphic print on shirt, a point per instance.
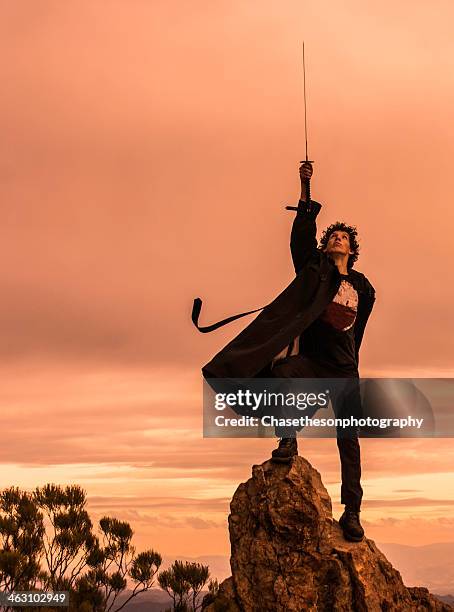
(341, 312)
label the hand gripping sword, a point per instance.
(306, 181)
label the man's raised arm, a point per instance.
(303, 241)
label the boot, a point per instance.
(351, 526)
(287, 449)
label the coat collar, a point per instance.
(360, 282)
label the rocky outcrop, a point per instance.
(289, 555)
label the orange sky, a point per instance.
(147, 151)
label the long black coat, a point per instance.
(314, 287)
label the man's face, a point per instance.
(339, 243)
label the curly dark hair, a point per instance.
(351, 231)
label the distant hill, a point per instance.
(447, 599)
(431, 566)
(154, 600)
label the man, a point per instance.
(326, 349)
(313, 329)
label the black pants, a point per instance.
(346, 402)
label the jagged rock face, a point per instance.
(289, 555)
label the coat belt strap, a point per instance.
(197, 307)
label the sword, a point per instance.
(307, 181)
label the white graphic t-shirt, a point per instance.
(330, 339)
(341, 312)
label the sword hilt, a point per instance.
(307, 183)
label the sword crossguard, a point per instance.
(308, 161)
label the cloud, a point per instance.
(411, 502)
(151, 419)
(411, 522)
(152, 503)
(408, 530)
(198, 523)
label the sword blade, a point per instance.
(305, 103)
